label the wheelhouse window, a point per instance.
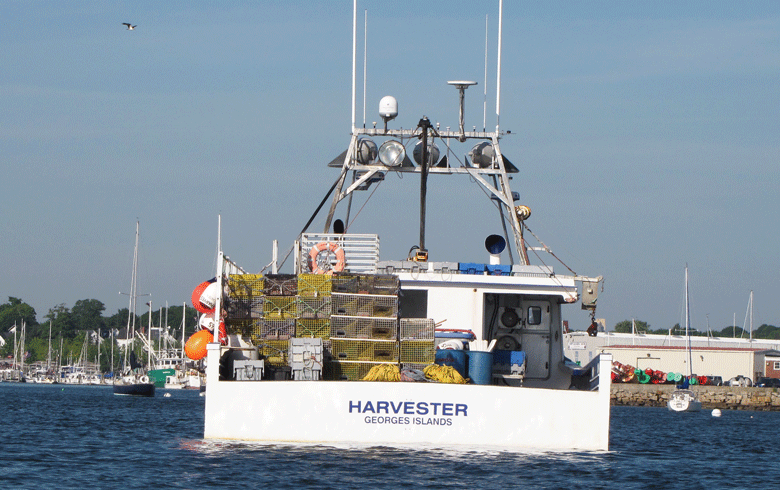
(534, 315)
(413, 303)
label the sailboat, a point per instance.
(133, 381)
(683, 399)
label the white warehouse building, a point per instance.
(710, 356)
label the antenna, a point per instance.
(498, 69)
(354, 57)
(484, 100)
(461, 85)
(365, 52)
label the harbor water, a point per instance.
(63, 436)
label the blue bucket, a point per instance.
(480, 367)
(452, 357)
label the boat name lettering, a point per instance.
(374, 419)
(409, 408)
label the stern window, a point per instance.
(534, 315)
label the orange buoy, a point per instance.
(195, 348)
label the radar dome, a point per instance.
(388, 107)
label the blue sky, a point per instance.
(646, 134)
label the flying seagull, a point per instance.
(129, 26)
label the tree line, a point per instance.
(70, 326)
(732, 331)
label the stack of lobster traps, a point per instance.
(364, 324)
(355, 315)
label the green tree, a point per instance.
(733, 331)
(14, 312)
(626, 327)
(767, 332)
(87, 314)
(62, 322)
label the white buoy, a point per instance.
(167, 395)
(716, 412)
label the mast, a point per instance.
(687, 323)
(149, 343)
(751, 315)
(48, 355)
(183, 324)
(130, 328)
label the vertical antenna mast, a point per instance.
(484, 100)
(354, 57)
(365, 59)
(498, 69)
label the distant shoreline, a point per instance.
(722, 397)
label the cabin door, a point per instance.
(536, 338)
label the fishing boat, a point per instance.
(683, 399)
(344, 349)
(133, 381)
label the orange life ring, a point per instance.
(332, 248)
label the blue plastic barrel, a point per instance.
(480, 367)
(452, 357)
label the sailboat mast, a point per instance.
(149, 343)
(751, 315)
(48, 355)
(183, 324)
(687, 324)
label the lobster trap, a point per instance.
(417, 328)
(273, 330)
(312, 328)
(314, 307)
(274, 352)
(364, 305)
(314, 285)
(280, 285)
(418, 351)
(355, 327)
(279, 307)
(245, 285)
(364, 350)
(347, 370)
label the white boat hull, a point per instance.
(443, 415)
(683, 402)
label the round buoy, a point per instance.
(195, 348)
(167, 395)
(716, 412)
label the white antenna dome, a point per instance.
(388, 108)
